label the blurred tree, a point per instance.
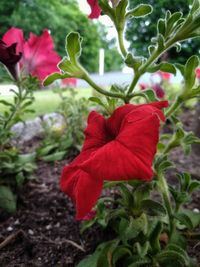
(60, 17)
(140, 31)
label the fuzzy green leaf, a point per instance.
(153, 208)
(7, 199)
(55, 76)
(140, 11)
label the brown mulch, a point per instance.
(44, 231)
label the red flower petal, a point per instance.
(95, 9)
(14, 35)
(78, 185)
(39, 58)
(95, 133)
(131, 154)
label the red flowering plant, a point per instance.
(125, 150)
(28, 63)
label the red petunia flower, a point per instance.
(38, 56)
(119, 148)
(9, 57)
(95, 9)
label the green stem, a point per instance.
(177, 103)
(154, 56)
(166, 199)
(121, 42)
(8, 123)
(100, 90)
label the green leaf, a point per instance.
(193, 185)
(73, 46)
(153, 208)
(189, 71)
(46, 150)
(54, 157)
(164, 66)
(137, 261)
(178, 249)
(106, 8)
(26, 158)
(6, 103)
(172, 21)
(154, 237)
(100, 258)
(150, 95)
(178, 239)
(20, 178)
(194, 217)
(130, 228)
(120, 252)
(140, 11)
(184, 219)
(161, 42)
(195, 6)
(120, 10)
(55, 76)
(134, 62)
(97, 100)
(7, 199)
(161, 27)
(169, 256)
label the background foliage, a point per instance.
(140, 31)
(61, 17)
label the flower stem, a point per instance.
(166, 199)
(8, 123)
(177, 103)
(100, 90)
(153, 58)
(121, 42)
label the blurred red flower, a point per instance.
(158, 90)
(143, 86)
(38, 55)
(165, 75)
(69, 82)
(197, 71)
(121, 147)
(95, 9)
(10, 57)
(156, 87)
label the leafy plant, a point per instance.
(60, 140)
(118, 150)
(15, 168)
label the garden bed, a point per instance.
(44, 232)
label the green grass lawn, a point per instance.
(46, 101)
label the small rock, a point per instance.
(57, 225)
(196, 210)
(16, 222)
(30, 232)
(48, 227)
(9, 229)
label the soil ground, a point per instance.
(44, 232)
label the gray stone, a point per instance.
(34, 128)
